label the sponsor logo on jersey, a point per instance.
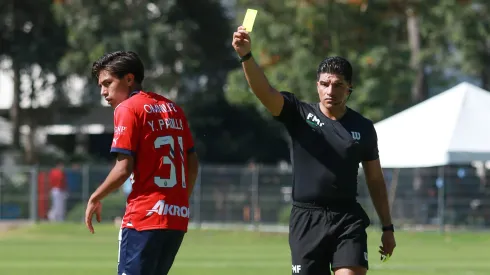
(119, 130)
(161, 208)
(314, 121)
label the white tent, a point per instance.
(450, 128)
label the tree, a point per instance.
(185, 48)
(467, 23)
(33, 41)
(173, 38)
(291, 38)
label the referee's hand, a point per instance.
(241, 41)
(388, 244)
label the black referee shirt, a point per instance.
(326, 153)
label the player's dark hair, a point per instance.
(120, 63)
(335, 65)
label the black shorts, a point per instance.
(324, 238)
(148, 252)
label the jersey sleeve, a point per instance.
(290, 109)
(188, 140)
(125, 139)
(371, 147)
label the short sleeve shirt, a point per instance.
(154, 130)
(326, 153)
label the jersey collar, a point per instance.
(347, 111)
(134, 93)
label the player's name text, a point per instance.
(167, 123)
(159, 108)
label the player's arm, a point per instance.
(117, 176)
(193, 170)
(192, 158)
(377, 189)
(375, 178)
(256, 78)
(258, 82)
(124, 146)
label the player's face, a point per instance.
(115, 90)
(333, 90)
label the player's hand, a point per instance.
(388, 244)
(241, 41)
(92, 207)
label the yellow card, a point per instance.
(248, 21)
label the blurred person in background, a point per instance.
(153, 142)
(329, 141)
(43, 195)
(59, 194)
(127, 187)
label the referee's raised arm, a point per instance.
(256, 78)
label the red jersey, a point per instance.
(57, 178)
(154, 130)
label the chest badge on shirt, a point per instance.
(356, 135)
(313, 121)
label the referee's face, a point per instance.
(333, 90)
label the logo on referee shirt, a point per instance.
(312, 120)
(356, 135)
(296, 269)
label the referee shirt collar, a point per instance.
(342, 118)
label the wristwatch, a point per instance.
(388, 228)
(245, 57)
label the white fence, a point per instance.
(246, 195)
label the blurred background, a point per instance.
(421, 73)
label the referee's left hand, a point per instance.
(388, 244)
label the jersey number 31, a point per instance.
(171, 160)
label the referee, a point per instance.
(327, 227)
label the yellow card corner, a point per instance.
(248, 21)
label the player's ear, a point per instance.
(129, 79)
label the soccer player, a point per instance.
(153, 144)
(59, 193)
(329, 141)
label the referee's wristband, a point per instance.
(388, 228)
(246, 57)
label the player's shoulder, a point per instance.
(131, 103)
(359, 119)
(288, 95)
(170, 104)
(294, 99)
(150, 102)
(124, 107)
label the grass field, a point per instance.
(70, 250)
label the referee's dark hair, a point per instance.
(335, 65)
(120, 63)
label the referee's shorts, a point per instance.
(148, 252)
(323, 238)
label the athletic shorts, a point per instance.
(326, 238)
(148, 252)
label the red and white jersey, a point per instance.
(154, 130)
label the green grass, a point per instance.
(70, 250)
